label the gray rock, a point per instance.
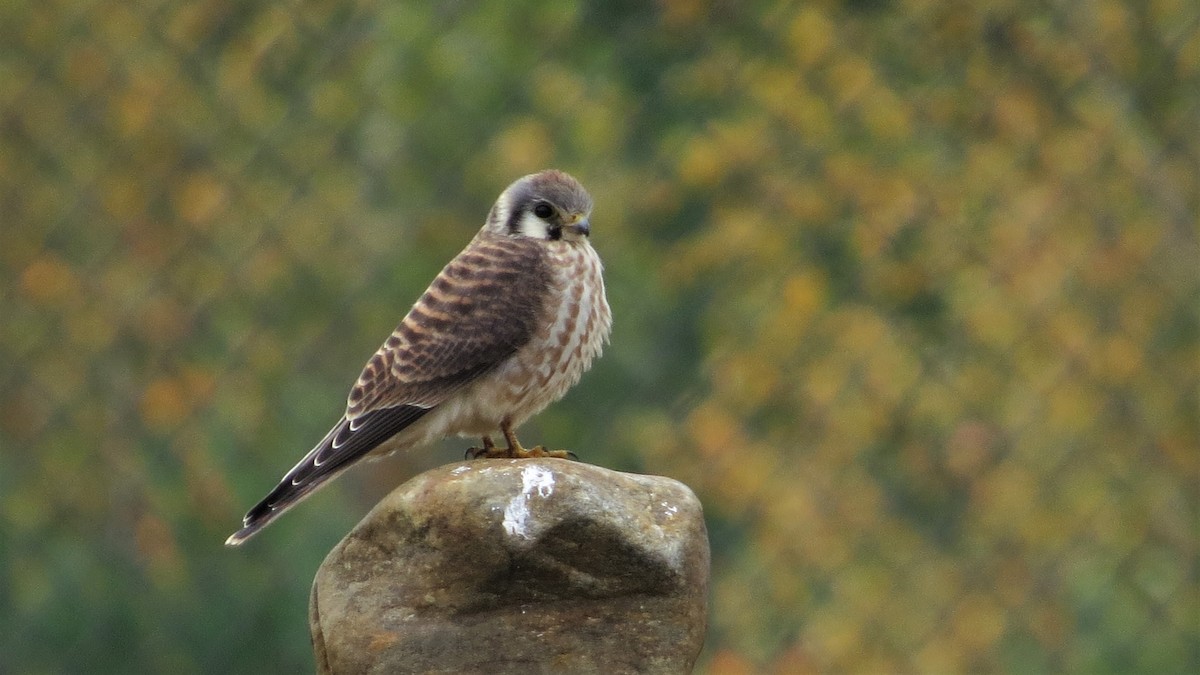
(517, 566)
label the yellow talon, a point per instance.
(539, 451)
(514, 449)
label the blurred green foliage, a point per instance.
(907, 291)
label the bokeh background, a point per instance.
(907, 291)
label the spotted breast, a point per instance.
(572, 332)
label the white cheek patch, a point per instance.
(532, 226)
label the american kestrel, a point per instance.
(506, 328)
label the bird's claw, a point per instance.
(539, 451)
(490, 451)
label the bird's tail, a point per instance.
(278, 501)
(347, 441)
(301, 481)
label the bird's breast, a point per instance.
(573, 329)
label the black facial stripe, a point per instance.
(555, 232)
(514, 219)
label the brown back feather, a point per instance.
(481, 308)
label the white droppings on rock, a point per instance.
(516, 514)
(537, 477)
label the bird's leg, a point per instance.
(489, 449)
(514, 446)
(515, 449)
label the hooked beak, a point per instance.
(579, 224)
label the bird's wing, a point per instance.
(482, 307)
(479, 311)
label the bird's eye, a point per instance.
(543, 210)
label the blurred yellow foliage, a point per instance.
(907, 292)
(49, 281)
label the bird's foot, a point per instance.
(515, 451)
(539, 451)
(488, 451)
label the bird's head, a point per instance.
(549, 205)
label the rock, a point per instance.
(517, 566)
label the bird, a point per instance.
(507, 327)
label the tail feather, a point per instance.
(346, 442)
(275, 504)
